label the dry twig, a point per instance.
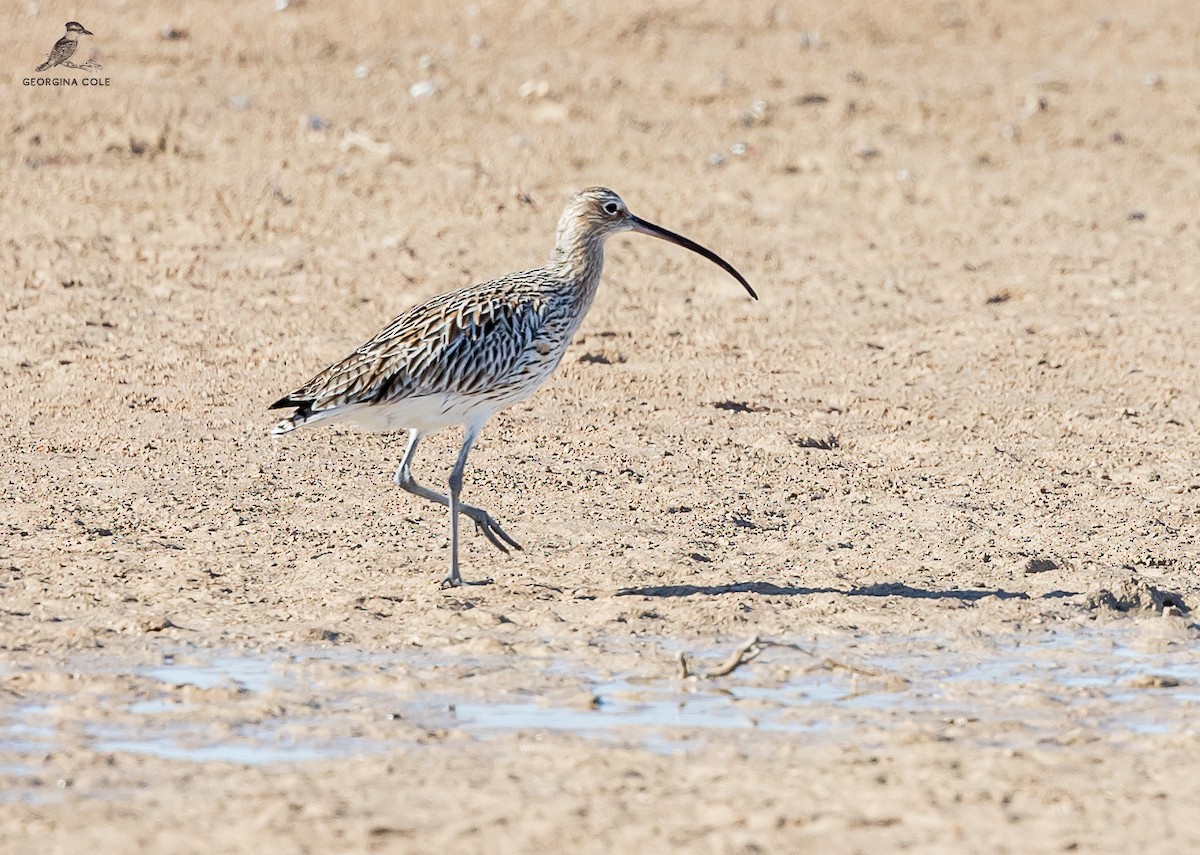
(748, 652)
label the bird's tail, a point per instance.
(285, 426)
(42, 67)
(303, 415)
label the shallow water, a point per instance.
(291, 707)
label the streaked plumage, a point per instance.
(65, 47)
(494, 341)
(464, 356)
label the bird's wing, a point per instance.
(64, 48)
(61, 52)
(466, 341)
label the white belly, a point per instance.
(428, 413)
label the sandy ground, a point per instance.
(959, 429)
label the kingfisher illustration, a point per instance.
(65, 47)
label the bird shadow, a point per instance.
(885, 589)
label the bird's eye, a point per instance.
(610, 208)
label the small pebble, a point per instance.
(423, 89)
(534, 89)
(1034, 105)
(757, 113)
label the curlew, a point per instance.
(461, 357)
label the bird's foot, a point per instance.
(453, 580)
(490, 529)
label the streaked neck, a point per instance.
(579, 260)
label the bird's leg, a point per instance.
(453, 578)
(484, 523)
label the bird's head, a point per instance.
(595, 214)
(76, 27)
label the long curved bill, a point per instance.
(648, 228)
